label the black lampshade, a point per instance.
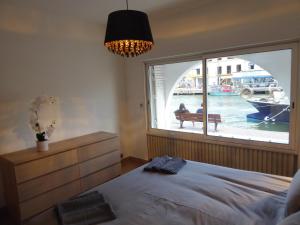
(128, 33)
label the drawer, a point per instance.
(97, 149)
(100, 177)
(33, 169)
(99, 163)
(39, 204)
(46, 183)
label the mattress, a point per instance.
(199, 194)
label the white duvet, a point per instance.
(199, 194)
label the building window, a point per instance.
(228, 69)
(219, 70)
(251, 66)
(251, 105)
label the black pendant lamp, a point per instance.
(128, 33)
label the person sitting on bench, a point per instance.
(198, 117)
(200, 110)
(182, 109)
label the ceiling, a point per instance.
(168, 18)
(93, 10)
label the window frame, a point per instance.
(293, 45)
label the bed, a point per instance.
(200, 193)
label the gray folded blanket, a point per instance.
(88, 209)
(165, 164)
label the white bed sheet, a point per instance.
(199, 194)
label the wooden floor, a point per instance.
(131, 163)
(128, 164)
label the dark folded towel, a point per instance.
(165, 164)
(84, 201)
(86, 209)
(157, 163)
(89, 216)
(173, 166)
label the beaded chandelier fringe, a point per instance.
(129, 48)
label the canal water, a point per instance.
(233, 110)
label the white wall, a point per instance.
(64, 57)
(136, 105)
(199, 26)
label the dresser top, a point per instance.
(31, 154)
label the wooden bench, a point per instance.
(198, 117)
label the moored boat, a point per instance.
(223, 90)
(269, 111)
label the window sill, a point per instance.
(250, 144)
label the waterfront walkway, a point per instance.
(234, 132)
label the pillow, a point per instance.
(293, 219)
(293, 196)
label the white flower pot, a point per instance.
(42, 146)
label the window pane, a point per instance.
(219, 69)
(253, 102)
(176, 96)
(228, 69)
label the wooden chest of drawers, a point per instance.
(36, 181)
